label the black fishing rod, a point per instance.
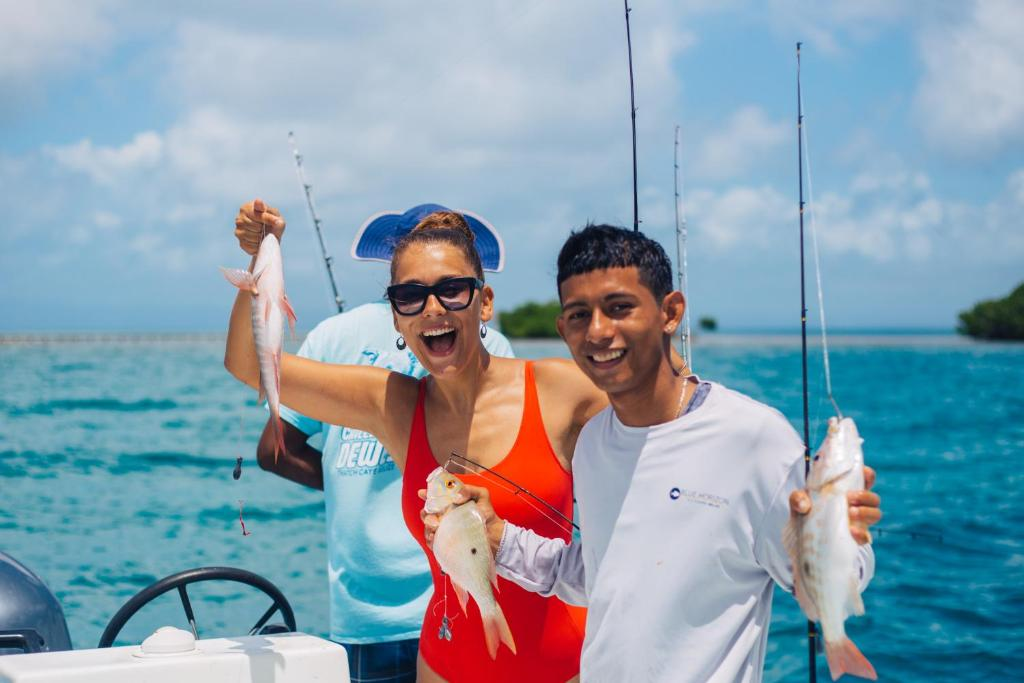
(812, 630)
(308, 190)
(632, 112)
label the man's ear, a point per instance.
(672, 308)
(486, 303)
(560, 326)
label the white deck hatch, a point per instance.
(173, 656)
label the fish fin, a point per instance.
(290, 312)
(258, 274)
(494, 577)
(496, 630)
(854, 601)
(262, 395)
(240, 278)
(461, 594)
(803, 597)
(844, 658)
(791, 540)
(266, 311)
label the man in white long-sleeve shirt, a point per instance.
(683, 488)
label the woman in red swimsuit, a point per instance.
(520, 419)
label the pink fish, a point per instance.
(464, 554)
(824, 553)
(269, 308)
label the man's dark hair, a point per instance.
(597, 247)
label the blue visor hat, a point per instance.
(378, 236)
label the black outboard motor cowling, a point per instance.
(31, 619)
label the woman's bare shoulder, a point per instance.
(562, 377)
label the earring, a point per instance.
(483, 331)
(400, 343)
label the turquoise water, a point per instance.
(116, 460)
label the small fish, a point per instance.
(464, 554)
(823, 552)
(269, 308)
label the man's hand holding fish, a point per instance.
(482, 497)
(865, 507)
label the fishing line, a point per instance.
(467, 466)
(445, 630)
(681, 273)
(817, 266)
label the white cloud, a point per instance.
(747, 136)
(894, 217)
(829, 26)
(971, 98)
(744, 217)
(105, 220)
(155, 249)
(1016, 187)
(105, 165)
(42, 37)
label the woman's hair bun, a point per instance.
(446, 220)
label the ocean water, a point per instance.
(116, 461)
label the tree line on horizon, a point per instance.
(996, 319)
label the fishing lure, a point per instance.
(241, 520)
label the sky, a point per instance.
(131, 132)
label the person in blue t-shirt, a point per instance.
(378, 577)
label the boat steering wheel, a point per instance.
(181, 579)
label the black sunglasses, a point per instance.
(454, 294)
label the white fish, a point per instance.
(464, 554)
(824, 554)
(269, 308)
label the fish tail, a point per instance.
(278, 438)
(275, 411)
(496, 630)
(844, 658)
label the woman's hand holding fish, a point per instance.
(494, 524)
(865, 507)
(254, 221)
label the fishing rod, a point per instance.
(681, 234)
(632, 112)
(308, 190)
(812, 630)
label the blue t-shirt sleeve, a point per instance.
(497, 344)
(311, 348)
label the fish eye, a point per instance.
(450, 484)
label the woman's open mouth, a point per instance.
(439, 341)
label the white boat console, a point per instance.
(172, 655)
